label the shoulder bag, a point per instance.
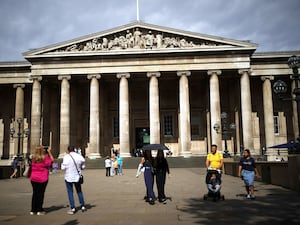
(80, 175)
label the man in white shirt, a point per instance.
(73, 163)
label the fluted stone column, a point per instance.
(268, 113)
(154, 108)
(94, 139)
(246, 109)
(35, 129)
(64, 114)
(215, 107)
(184, 104)
(295, 112)
(19, 113)
(19, 107)
(124, 115)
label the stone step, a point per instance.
(132, 162)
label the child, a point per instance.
(54, 167)
(214, 184)
(115, 163)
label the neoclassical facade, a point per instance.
(141, 83)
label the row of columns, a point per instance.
(124, 136)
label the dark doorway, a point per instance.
(142, 136)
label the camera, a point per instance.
(46, 149)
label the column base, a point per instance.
(125, 154)
(61, 155)
(93, 156)
(186, 154)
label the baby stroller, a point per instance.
(213, 183)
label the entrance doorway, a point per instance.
(142, 136)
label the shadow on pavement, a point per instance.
(279, 207)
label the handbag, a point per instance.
(80, 175)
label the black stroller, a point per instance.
(213, 183)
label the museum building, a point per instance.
(142, 83)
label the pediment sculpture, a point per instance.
(138, 39)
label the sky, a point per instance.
(274, 25)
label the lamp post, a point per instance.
(280, 87)
(225, 132)
(20, 135)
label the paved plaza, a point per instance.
(119, 200)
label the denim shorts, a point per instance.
(248, 177)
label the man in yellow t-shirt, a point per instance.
(214, 160)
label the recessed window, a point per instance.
(168, 125)
(276, 123)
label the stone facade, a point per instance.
(141, 83)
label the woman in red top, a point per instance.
(40, 163)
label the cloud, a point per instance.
(26, 24)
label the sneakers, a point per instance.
(41, 213)
(31, 213)
(250, 196)
(71, 211)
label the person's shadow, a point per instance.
(58, 207)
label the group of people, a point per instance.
(154, 167)
(113, 165)
(247, 170)
(40, 164)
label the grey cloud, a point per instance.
(26, 24)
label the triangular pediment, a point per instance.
(139, 37)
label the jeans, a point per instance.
(77, 185)
(120, 169)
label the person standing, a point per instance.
(40, 164)
(107, 163)
(147, 162)
(73, 163)
(14, 166)
(162, 168)
(247, 171)
(120, 165)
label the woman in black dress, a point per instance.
(161, 169)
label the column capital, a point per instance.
(95, 75)
(184, 73)
(211, 72)
(263, 78)
(19, 85)
(35, 77)
(242, 71)
(61, 77)
(153, 74)
(120, 75)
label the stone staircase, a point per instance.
(132, 162)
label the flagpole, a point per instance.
(137, 11)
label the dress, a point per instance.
(162, 168)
